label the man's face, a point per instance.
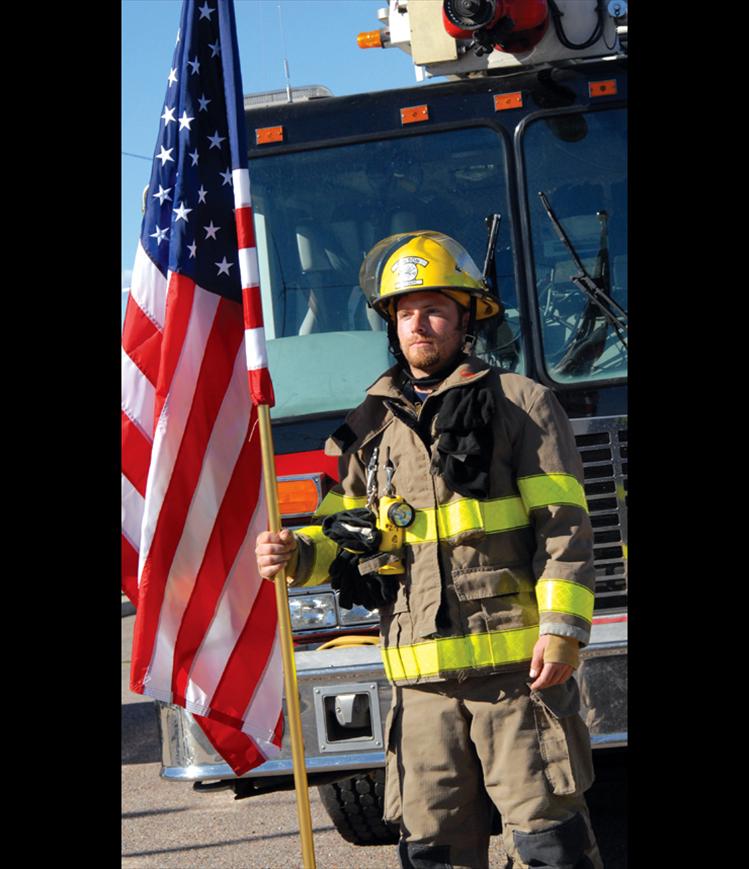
(431, 328)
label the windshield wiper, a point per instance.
(597, 288)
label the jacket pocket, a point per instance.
(563, 738)
(392, 803)
(475, 583)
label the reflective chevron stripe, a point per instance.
(545, 489)
(564, 596)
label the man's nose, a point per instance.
(419, 322)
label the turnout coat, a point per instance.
(484, 576)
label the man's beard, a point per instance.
(424, 357)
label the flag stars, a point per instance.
(162, 194)
(201, 194)
(211, 230)
(172, 77)
(184, 121)
(216, 140)
(203, 103)
(192, 248)
(168, 115)
(215, 48)
(226, 176)
(206, 11)
(182, 212)
(194, 157)
(165, 156)
(160, 234)
(223, 267)
(195, 64)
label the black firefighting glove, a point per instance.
(464, 447)
(356, 532)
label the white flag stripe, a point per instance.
(257, 354)
(261, 715)
(248, 270)
(137, 396)
(223, 448)
(132, 511)
(241, 181)
(148, 287)
(234, 607)
(168, 438)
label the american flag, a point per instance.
(205, 633)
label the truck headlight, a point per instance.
(358, 615)
(312, 611)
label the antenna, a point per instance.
(285, 61)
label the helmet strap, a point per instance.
(470, 337)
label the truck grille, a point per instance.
(602, 444)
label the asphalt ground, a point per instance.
(168, 824)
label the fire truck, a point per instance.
(526, 119)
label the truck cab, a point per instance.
(538, 136)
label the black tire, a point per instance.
(355, 806)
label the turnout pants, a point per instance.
(454, 748)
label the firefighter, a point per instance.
(487, 594)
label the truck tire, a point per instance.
(355, 806)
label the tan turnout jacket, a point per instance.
(506, 568)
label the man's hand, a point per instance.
(273, 550)
(548, 673)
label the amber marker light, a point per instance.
(602, 88)
(370, 39)
(414, 114)
(298, 496)
(265, 135)
(508, 101)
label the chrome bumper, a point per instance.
(325, 677)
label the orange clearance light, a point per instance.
(264, 135)
(298, 496)
(370, 39)
(508, 101)
(602, 88)
(414, 114)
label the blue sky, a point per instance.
(320, 44)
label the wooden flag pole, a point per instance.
(291, 689)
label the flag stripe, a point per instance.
(245, 227)
(180, 297)
(148, 287)
(242, 194)
(237, 748)
(129, 570)
(141, 340)
(257, 353)
(138, 396)
(261, 386)
(261, 720)
(253, 308)
(248, 267)
(136, 454)
(211, 384)
(171, 429)
(230, 615)
(132, 511)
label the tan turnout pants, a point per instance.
(450, 744)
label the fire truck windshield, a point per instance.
(318, 212)
(578, 161)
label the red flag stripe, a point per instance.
(253, 308)
(136, 454)
(244, 669)
(229, 531)
(261, 387)
(141, 340)
(245, 227)
(178, 307)
(237, 749)
(212, 382)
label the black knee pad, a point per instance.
(419, 855)
(559, 847)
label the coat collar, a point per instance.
(388, 384)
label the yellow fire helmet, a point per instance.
(423, 261)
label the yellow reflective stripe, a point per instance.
(564, 596)
(334, 503)
(325, 551)
(545, 489)
(445, 654)
(468, 514)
